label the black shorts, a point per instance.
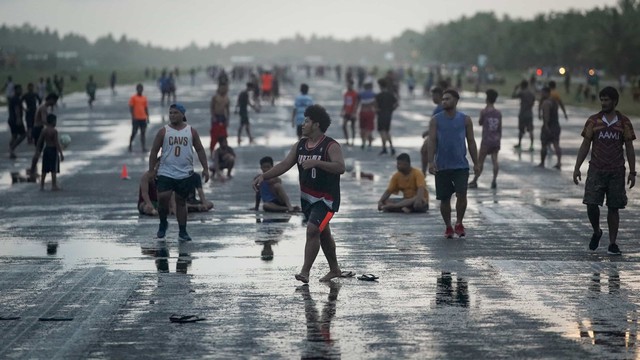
(384, 122)
(449, 182)
(244, 119)
(318, 214)
(139, 124)
(551, 135)
(29, 118)
(609, 183)
(525, 123)
(181, 187)
(17, 128)
(299, 130)
(35, 133)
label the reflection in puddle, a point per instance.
(450, 293)
(319, 344)
(161, 253)
(613, 327)
(270, 233)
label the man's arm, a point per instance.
(631, 158)
(293, 118)
(279, 169)
(582, 154)
(153, 155)
(258, 198)
(383, 198)
(418, 200)
(431, 145)
(471, 144)
(202, 155)
(335, 165)
(561, 104)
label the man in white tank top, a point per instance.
(175, 172)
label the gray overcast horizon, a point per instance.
(173, 24)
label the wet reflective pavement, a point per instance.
(522, 284)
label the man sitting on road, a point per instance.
(410, 181)
(199, 203)
(271, 192)
(223, 158)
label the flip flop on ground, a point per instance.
(185, 318)
(368, 277)
(348, 274)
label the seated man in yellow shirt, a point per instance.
(409, 181)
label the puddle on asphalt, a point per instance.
(76, 252)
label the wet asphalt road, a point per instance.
(522, 284)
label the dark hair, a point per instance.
(51, 119)
(404, 157)
(51, 96)
(546, 89)
(318, 114)
(492, 95)
(382, 82)
(611, 93)
(304, 89)
(552, 84)
(368, 85)
(452, 93)
(524, 84)
(436, 90)
(266, 160)
(250, 85)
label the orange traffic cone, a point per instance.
(124, 175)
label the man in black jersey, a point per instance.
(320, 164)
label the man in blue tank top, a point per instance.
(320, 164)
(447, 153)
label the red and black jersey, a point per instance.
(317, 184)
(607, 138)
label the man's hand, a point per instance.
(256, 182)
(309, 164)
(418, 203)
(205, 175)
(577, 176)
(61, 157)
(433, 169)
(631, 180)
(380, 205)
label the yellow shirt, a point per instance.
(408, 184)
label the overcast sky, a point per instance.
(176, 23)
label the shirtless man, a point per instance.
(39, 121)
(219, 109)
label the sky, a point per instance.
(178, 23)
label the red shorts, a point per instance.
(366, 120)
(218, 130)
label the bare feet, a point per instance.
(303, 277)
(330, 275)
(406, 210)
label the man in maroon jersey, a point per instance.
(608, 131)
(320, 164)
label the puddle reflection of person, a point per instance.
(449, 295)
(269, 235)
(319, 344)
(52, 247)
(184, 258)
(612, 328)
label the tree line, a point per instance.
(605, 38)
